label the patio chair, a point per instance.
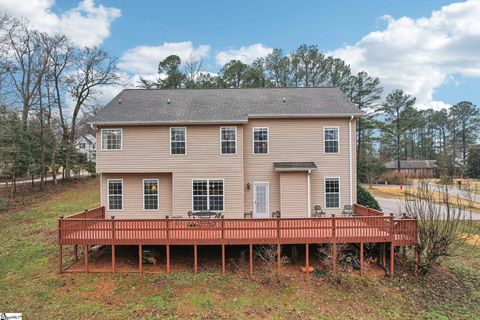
(190, 214)
(218, 215)
(318, 211)
(347, 210)
(248, 215)
(276, 214)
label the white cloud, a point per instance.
(86, 25)
(419, 55)
(244, 54)
(145, 59)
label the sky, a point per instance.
(431, 49)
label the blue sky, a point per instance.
(436, 58)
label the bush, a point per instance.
(445, 180)
(366, 199)
(395, 177)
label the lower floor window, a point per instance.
(115, 194)
(150, 194)
(332, 192)
(207, 195)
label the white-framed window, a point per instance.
(150, 194)
(112, 139)
(207, 194)
(260, 140)
(178, 140)
(330, 138)
(82, 146)
(228, 140)
(332, 192)
(115, 194)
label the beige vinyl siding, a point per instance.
(147, 149)
(300, 140)
(293, 194)
(133, 195)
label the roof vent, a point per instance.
(168, 101)
(119, 101)
(284, 99)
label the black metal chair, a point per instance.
(276, 214)
(347, 210)
(248, 215)
(318, 211)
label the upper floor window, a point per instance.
(115, 194)
(332, 192)
(207, 195)
(111, 139)
(260, 140)
(228, 140)
(150, 194)
(82, 146)
(331, 140)
(178, 140)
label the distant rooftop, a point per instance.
(140, 106)
(412, 164)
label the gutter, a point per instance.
(350, 169)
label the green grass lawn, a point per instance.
(31, 285)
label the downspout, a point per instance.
(350, 158)
(309, 195)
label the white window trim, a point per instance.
(254, 197)
(170, 134)
(338, 139)
(221, 151)
(339, 192)
(253, 140)
(158, 195)
(108, 194)
(121, 139)
(208, 193)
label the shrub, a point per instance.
(395, 177)
(365, 198)
(445, 180)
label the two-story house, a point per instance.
(235, 151)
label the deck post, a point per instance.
(167, 248)
(113, 241)
(307, 259)
(223, 258)
(251, 260)
(278, 258)
(334, 258)
(75, 251)
(60, 259)
(85, 254)
(361, 258)
(140, 258)
(195, 262)
(392, 259)
(384, 255)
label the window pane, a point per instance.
(260, 140)
(207, 195)
(178, 144)
(228, 136)
(178, 147)
(150, 194)
(115, 194)
(332, 193)
(331, 140)
(111, 139)
(216, 203)
(228, 147)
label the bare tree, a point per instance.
(443, 224)
(91, 69)
(192, 68)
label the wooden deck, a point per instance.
(366, 226)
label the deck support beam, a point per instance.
(167, 249)
(279, 257)
(85, 256)
(416, 262)
(75, 250)
(334, 258)
(195, 259)
(307, 259)
(361, 258)
(251, 259)
(392, 259)
(140, 258)
(113, 259)
(384, 255)
(60, 258)
(223, 258)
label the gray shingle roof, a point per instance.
(412, 164)
(294, 166)
(223, 105)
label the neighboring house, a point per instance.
(413, 168)
(87, 145)
(235, 151)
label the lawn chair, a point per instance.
(318, 211)
(276, 214)
(347, 210)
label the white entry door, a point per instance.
(260, 199)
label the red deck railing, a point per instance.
(90, 227)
